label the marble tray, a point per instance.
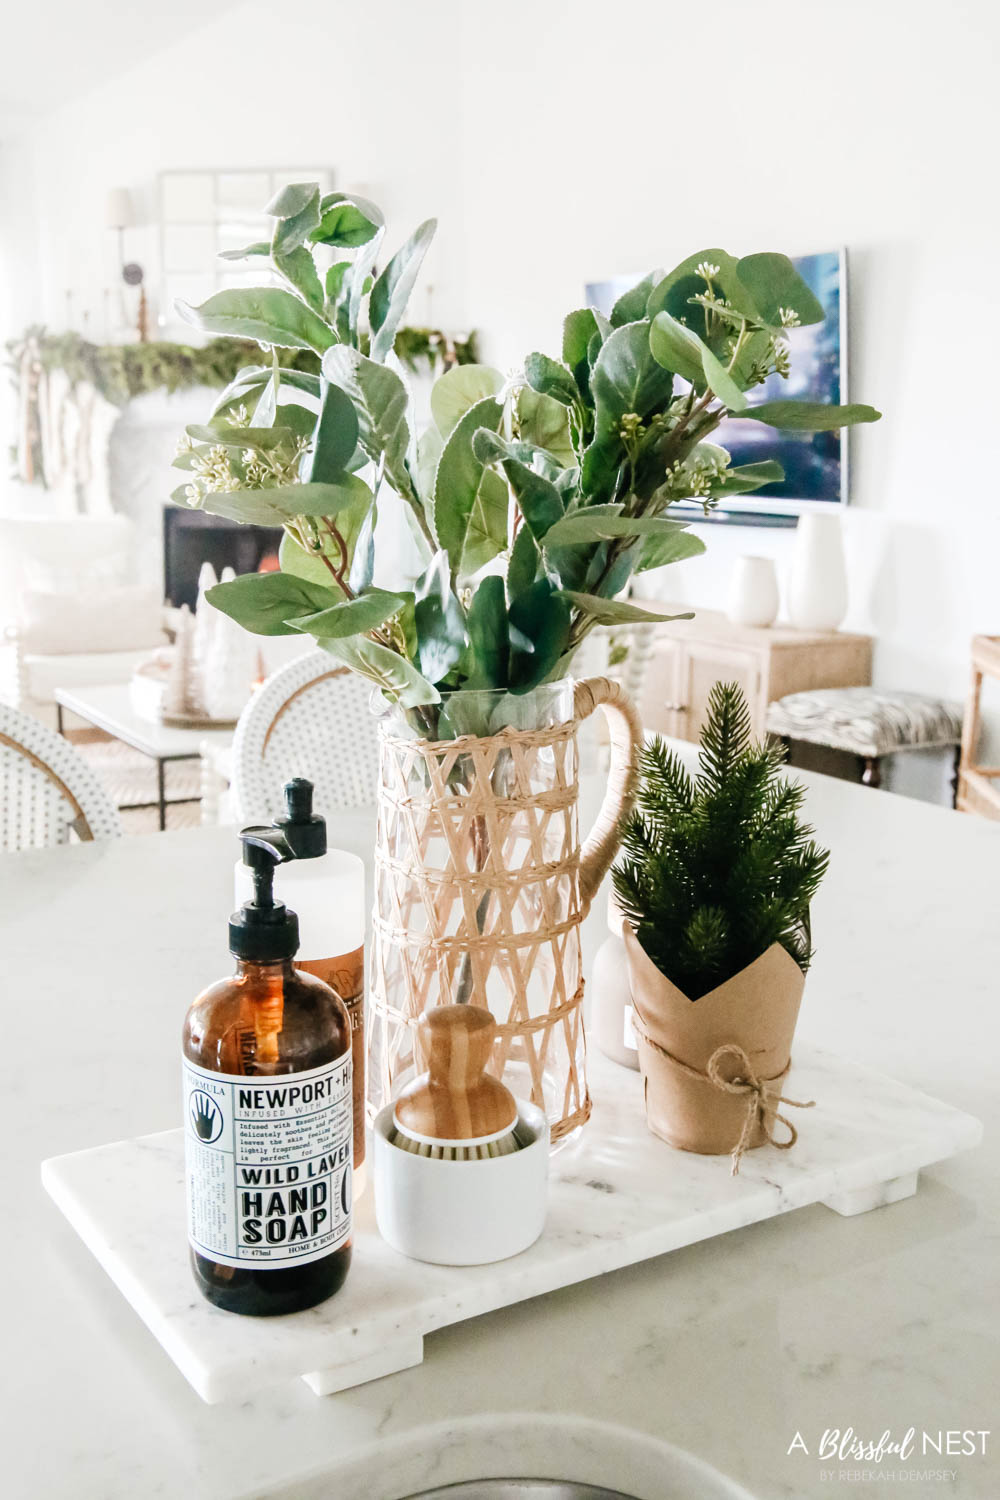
(617, 1196)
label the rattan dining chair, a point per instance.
(48, 792)
(311, 718)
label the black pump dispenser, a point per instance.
(268, 1057)
(304, 830)
(264, 930)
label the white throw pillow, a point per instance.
(62, 555)
(122, 618)
(74, 575)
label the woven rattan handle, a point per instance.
(601, 844)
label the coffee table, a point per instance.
(109, 707)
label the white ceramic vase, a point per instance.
(611, 1014)
(753, 592)
(817, 589)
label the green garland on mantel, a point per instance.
(123, 371)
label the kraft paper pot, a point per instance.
(756, 1010)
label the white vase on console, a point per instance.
(753, 592)
(817, 587)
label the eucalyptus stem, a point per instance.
(481, 852)
(339, 573)
(416, 505)
(692, 412)
(738, 345)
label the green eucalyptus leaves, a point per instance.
(533, 500)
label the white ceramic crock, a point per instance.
(462, 1213)
(817, 587)
(753, 592)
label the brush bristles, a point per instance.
(505, 1145)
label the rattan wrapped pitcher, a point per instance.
(482, 883)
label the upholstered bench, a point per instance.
(866, 722)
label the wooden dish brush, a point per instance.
(455, 1111)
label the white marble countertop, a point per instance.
(727, 1349)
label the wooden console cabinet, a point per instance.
(688, 656)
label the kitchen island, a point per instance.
(742, 1350)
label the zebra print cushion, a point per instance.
(865, 720)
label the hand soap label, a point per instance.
(268, 1164)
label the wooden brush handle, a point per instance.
(455, 1100)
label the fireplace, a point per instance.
(191, 537)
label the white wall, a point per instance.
(626, 140)
(318, 83)
(319, 86)
(563, 139)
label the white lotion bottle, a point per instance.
(613, 1014)
(328, 895)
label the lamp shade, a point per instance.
(119, 213)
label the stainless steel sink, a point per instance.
(520, 1489)
(607, 1462)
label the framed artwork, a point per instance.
(205, 212)
(815, 463)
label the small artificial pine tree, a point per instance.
(718, 867)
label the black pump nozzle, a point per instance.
(304, 830)
(263, 848)
(263, 929)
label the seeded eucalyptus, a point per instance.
(533, 499)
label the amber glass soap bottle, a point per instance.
(268, 1118)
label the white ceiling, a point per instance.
(55, 50)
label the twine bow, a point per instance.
(761, 1104)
